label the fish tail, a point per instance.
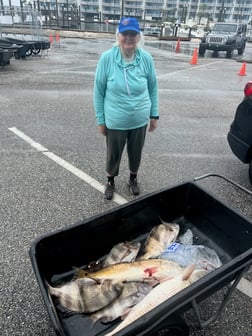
(93, 321)
(51, 290)
(187, 272)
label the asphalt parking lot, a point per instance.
(46, 107)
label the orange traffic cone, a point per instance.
(51, 38)
(57, 37)
(177, 50)
(194, 59)
(242, 71)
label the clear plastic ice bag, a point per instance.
(186, 238)
(200, 255)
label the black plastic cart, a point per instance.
(213, 224)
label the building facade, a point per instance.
(65, 12)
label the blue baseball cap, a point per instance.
(128, 23)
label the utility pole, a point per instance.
(122, 9)
(221, 12)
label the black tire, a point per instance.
(174, 326)
(250, 172)
(28, 52)
(202, 51)
(35, 51)
(241, 50)
(230, 52)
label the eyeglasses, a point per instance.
(130, 33)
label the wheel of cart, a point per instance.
(174, 326)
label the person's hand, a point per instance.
(102, 129)
(153, 125)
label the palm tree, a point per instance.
(202, 12)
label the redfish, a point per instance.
(158, 295)
(121, 252)
(142, 270)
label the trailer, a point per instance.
(213, 224)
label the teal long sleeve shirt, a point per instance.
(125, 94)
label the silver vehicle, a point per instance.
(226, 37)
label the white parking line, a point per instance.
(199, 156)
(193, 67)
(77, 172)
(244, 285)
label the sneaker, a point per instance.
(133, 187)
(109, 191)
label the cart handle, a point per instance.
(224, 178)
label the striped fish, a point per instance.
(86, 295)
(158, 239)
(132, 293)
(122, 252)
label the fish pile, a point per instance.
(158, 295)
(128, 282)
(132, 293)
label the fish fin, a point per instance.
(66, 312)
(187, 272)
(50, 289)
(107, 319)
(80, 273)
(98, 281)
(166, 279)
(151, 281)
(47, 284)
(150, 271)
(93, 320)
(125, 314)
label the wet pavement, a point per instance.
(48, 98)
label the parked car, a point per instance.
(225, 37)
(152, 31)
(240, 134)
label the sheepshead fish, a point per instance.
(158, 239)
(122, 252)
(86, 295)
(141, 270)
(132, 293)
(158, 295)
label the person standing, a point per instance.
(242, 123)
(125, 101)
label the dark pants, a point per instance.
(116, 140)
